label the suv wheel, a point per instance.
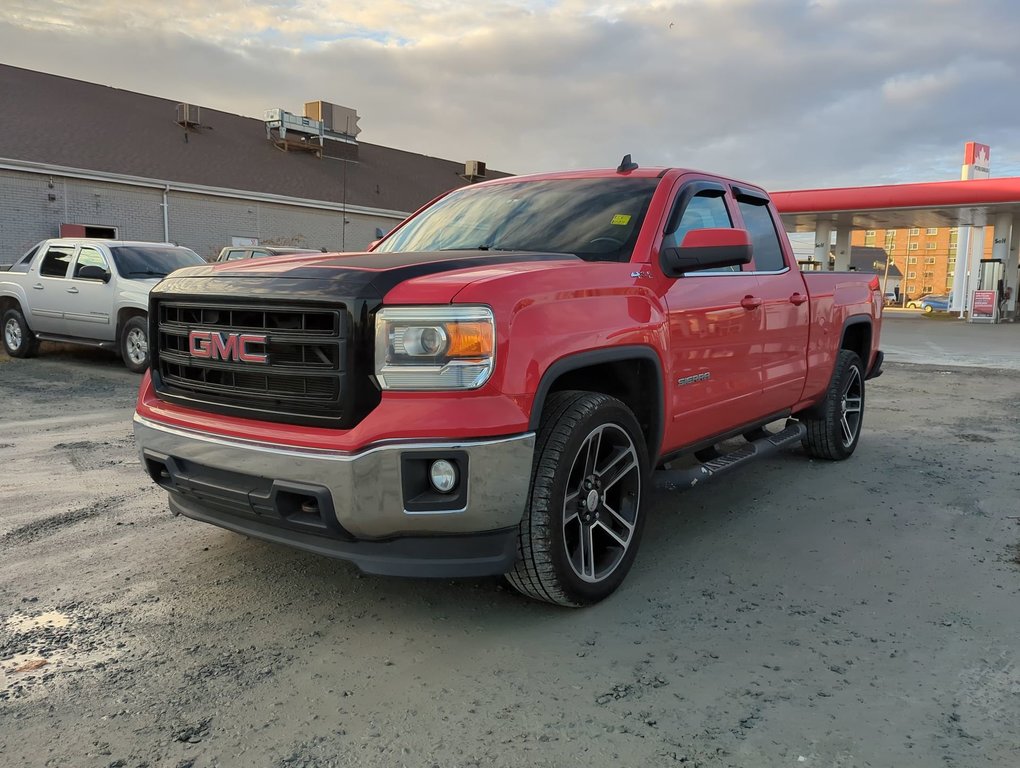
(134, 344)
(19, 341)
(580, 533)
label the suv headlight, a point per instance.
(434, 347)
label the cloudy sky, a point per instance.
(786, 93)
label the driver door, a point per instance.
(715, 330)
(88, 313)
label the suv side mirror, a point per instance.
(93, 272)
(706, 249)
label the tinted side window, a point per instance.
(234, 255)
(90, 257)
(56, 261)
(768, 254)
(705, 211)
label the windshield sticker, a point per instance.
(621, 219)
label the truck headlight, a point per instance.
(434, 347)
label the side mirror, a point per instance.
(93, 272)
(379, 234)
(706, 249)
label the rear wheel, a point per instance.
(19, 341)
(834, 434)
(134, 344)
(580, 533)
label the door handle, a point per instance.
(750, 302)
(797, 299)
(72, 289)
(38, 286)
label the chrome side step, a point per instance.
(759, 448)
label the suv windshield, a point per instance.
(595, 219)
(138, 261)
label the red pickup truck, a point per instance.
(497, 386)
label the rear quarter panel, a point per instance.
(838, 299)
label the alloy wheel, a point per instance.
(601, 504)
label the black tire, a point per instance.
(134, 344)
(834, 434)
(605, 512)
(19, 341)
(928, 309)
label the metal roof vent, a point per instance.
(189, 115)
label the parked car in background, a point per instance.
(237, 252)
(86, 291)
(914, 303)
(931, 304)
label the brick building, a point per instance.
(115, 163)
(926, 256)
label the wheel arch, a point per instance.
(856, 337)
(126, 313)
(632, 374)
(10, 302)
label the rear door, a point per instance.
(47, 289)
(785, 304)
(714, 329)
(88, 312)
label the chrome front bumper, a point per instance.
(360, 499)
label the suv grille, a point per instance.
(302, 372)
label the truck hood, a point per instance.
(361, 275)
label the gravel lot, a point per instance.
(799, 614)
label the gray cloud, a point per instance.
(784, 93)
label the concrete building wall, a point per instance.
(204, 223)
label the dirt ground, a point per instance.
(797, 613)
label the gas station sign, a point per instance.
(984, 306)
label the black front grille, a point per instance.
(304, 351)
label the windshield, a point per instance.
(142, 261)
(595, 219)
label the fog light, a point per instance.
(443, 475)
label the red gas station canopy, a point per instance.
(931, 204)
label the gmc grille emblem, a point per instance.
(232, 347)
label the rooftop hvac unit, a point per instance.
(188, 115)
(334, 118)
(474, 169)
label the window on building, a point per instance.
(911, 260)
(869, 232)
(929, 274)
(929, 259)
(56, 261)
(952, 248)
(911, 275)
(869, 239)
(890, 238)
(768, 254)
(928, 288)
(930, 246)
(950, 275)
(912, 247)
(911, 287)
(932, 231)
(914, 231)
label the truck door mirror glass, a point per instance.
(93, 272)
(706, 249)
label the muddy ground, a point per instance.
(801, 613)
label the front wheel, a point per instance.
(928, 309)
(580, 533)
(834, 434)
(19, 341)
(134, 344)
